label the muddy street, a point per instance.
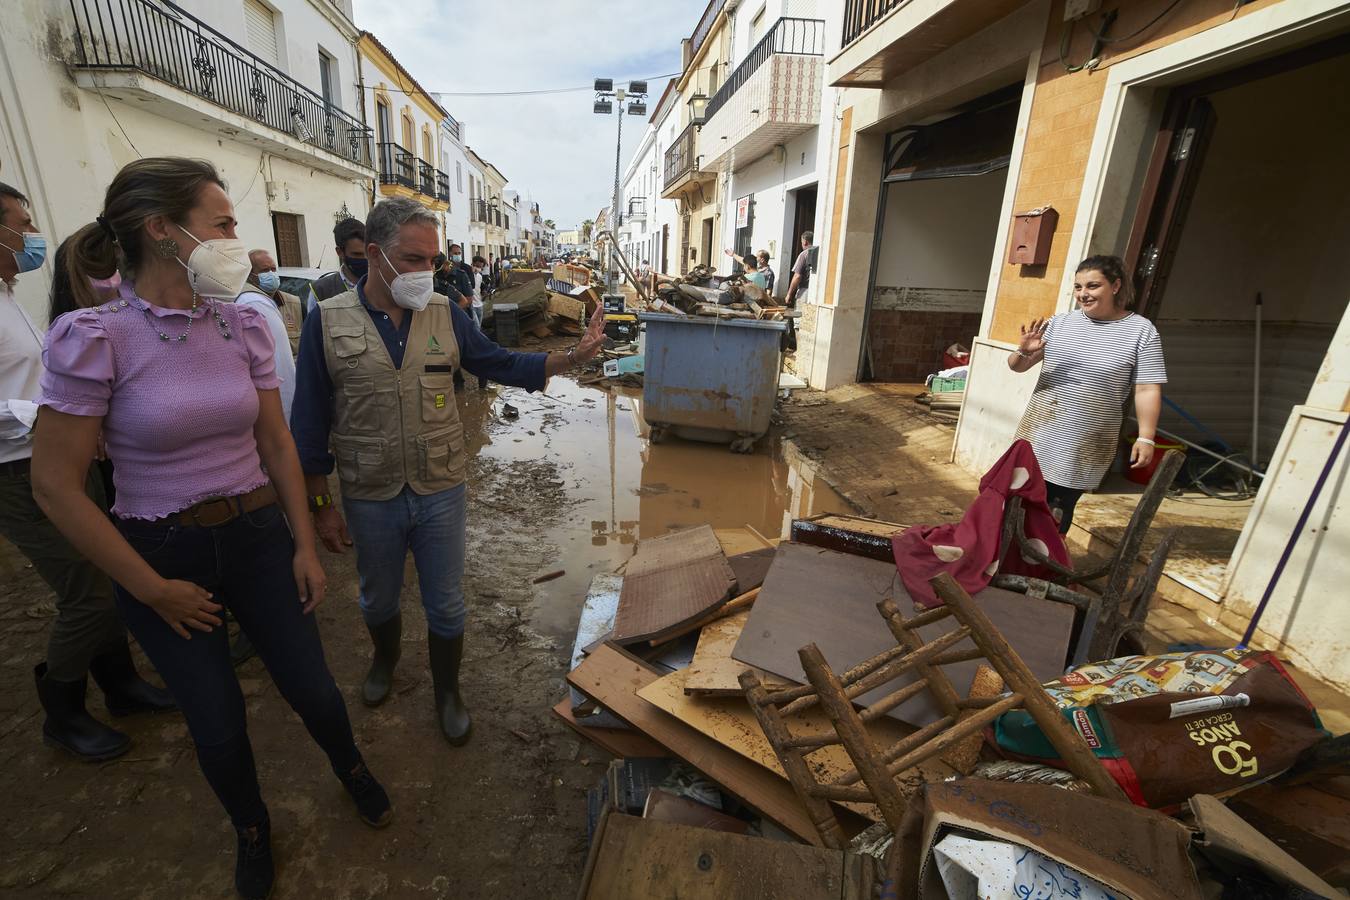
(570, 484)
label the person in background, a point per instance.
(476, 308)
(442, 281)
(263, 293)
(801, 271)
(182, 384)
(1095, 357)
(398, 444)
(349, 240)
(87, 637)
(766, 270)
(463, 272)
(752, 273)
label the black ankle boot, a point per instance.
(451, 715)
(124, 690)
(68, 724)
(372, 803)
(388, 641)
(253, 868)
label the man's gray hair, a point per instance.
(388, 216)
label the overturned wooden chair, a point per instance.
(1112, 606)
(878, 767)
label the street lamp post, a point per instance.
(636, 96)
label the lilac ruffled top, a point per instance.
(178, 416)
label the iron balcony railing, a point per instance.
(442, 186)
(803, 37)
(453, 127)
(680, 156)
(704, 26)
(397, 165)
(860, 15)
(168, 43)
(637, 208)
(426, 178)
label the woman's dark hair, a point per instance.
(157, 186)
(69, 294)
(1113, 268)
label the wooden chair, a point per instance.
(878, 767)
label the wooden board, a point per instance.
(751, 568)
(814, 595)
(670, 580)
(620, 742)
(736, 541)
(640, 859)
(730, 722)
(612, 678)
(713, 672)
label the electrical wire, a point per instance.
(526, 93)
(125, 136)
(1127, 37)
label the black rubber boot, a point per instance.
(451, 715)
(388, 641)
(372, 803)
(253, 868)
(241, 649)
(68, 724)
(124, 690)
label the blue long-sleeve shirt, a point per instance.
(312, 412)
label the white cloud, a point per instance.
(550, 145)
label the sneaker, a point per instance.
(253, 869)
(372, 803)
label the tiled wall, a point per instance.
(907, 345)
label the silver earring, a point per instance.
(167, 247)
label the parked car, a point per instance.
(296, 280)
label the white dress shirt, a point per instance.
(20, 374)
(285, 362)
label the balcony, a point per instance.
(182, 69)
(770, 98)
(397, 166)
(442, 186)
(426, 178)
(682, 169)
(637, 209)
(883, 39)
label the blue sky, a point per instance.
(552, 145)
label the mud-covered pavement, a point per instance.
(569, 484)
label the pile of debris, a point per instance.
(702, 293)
(526, 305)
(789, 722)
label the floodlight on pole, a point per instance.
(635, 95)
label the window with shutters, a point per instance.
(408, 143)
(427, 154)
(459, 178)
(286, 233)
(328, 78)
(260, 24)
(382, 123)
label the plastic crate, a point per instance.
(506, 320)
(941, 385)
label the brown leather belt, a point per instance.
(221, 510)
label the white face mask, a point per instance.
(217, 268)
(410, 290)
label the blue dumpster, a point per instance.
(710, 379)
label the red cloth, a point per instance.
(968, 549)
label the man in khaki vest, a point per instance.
(375, 377)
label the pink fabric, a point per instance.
(968, 550)
(178, 416)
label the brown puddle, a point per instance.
(621, 487)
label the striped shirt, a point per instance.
(1073, 418)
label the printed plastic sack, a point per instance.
(1123, 709)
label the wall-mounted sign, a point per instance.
(743, 211)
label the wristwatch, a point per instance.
(571, 357)
(319, 501)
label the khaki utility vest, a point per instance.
(289, 304)
(391, 426)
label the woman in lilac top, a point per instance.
(210, 504)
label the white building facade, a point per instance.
(267, 93)
(458, 171)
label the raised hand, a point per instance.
(1033, 337)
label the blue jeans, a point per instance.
(432, 527)
(247, 565)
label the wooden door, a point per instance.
(286, 233)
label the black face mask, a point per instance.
(358, 267)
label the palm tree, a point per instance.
(550, 223)
(586, 228)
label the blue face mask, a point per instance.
(269, 282)
(457, 258)
(357, 267)
(34, 252)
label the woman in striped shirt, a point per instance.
(1093, 355)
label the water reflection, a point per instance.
(622, 488)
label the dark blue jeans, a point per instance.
(246, 564)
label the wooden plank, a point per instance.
(729, 722)
(671, 580)
(640, 859)
(814, 595)
(736, 541)
(713, 672)
(612, 678)
(751, 568)
(614, 741)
